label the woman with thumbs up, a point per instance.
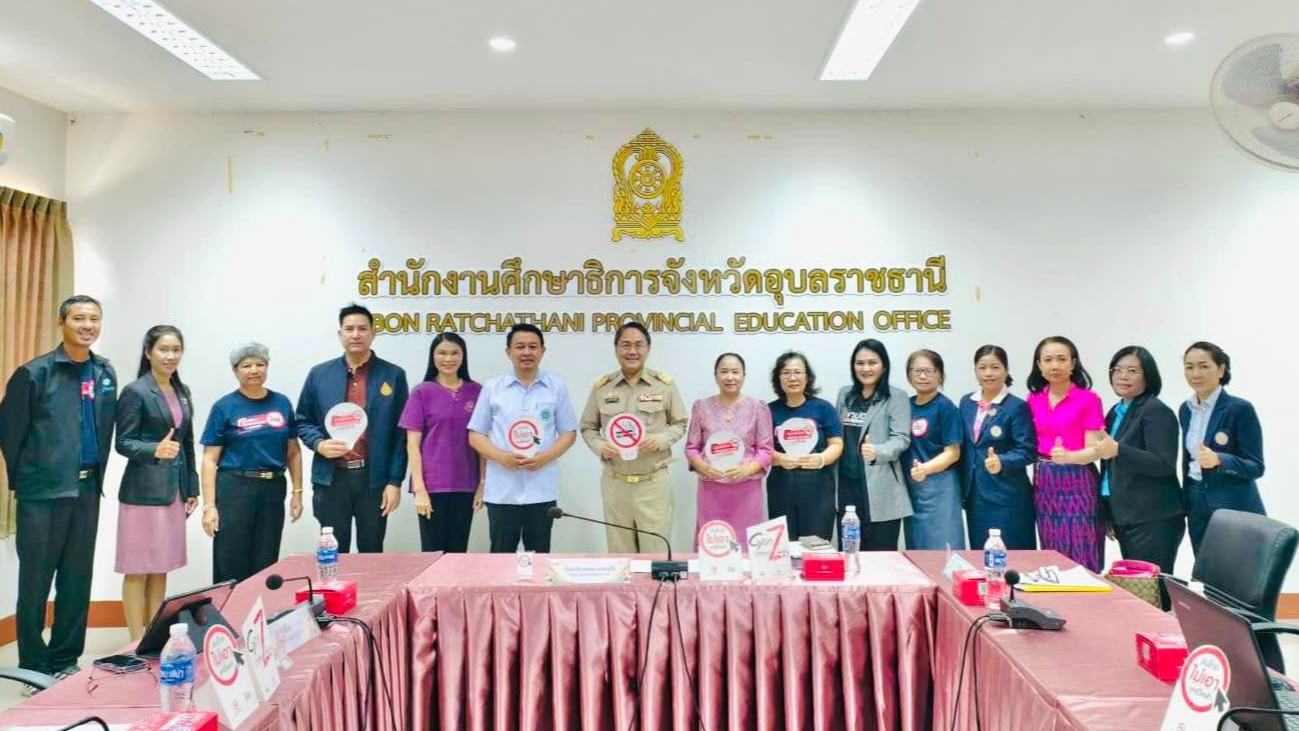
(1000, 443)
(159, 490)
(936, 436)
(1222, 455)
(1070, 422)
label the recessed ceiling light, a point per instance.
(156, 23)
(1180, 38)
(502, 44)
(866, 36)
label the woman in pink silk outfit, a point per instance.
(733, 495)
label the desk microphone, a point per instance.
(1022, 615)
(668, 570)
(317, 603)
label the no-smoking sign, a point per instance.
(626, 432)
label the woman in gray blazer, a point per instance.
(876, 431)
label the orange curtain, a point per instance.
(35, 276)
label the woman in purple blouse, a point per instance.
(446, 474)
(732, 494)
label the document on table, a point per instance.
(1051, 578)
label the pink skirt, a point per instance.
(739, 503)
(150, 538)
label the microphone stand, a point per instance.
(668, 570)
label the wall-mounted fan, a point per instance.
(1255, 98)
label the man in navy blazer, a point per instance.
(361, 482)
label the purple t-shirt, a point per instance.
(441, 417)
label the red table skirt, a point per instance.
(763, 656)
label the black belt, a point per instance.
(255, 475)
(353, 464)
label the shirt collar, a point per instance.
(363, 368)
(1001, 396)
(542, 378)
(622, 377)
(1208, 404)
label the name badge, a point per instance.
(650, 397)
(995, 431)
(1220, 439)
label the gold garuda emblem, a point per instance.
(647, 189)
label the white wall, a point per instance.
(1113, 228)
(36, 158)
(36, 165)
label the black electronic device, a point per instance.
(200, 609)
(1022, 615)
(668, 570)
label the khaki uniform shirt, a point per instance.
(655, 399)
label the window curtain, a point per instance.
(35, 276)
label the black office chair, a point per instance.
(39, 681)
(1246, 556)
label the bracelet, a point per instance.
(822, 456)
(209, 506)
(297, 492)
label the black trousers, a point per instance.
(448, 529)
(508, 523)
(805, 498)
(251, 525)
(56, 544)
(1156, 542)
(350, 498)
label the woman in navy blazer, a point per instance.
(1222, 452)
(1000, 444)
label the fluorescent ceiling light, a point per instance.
(502, 44)
(1180, 39)
(865, 38)
(156, 23)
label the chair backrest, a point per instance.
(1247, 556)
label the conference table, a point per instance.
(492, 652)
(1084, 677)
(327, 687)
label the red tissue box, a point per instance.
(969, 586)
(1161, 654)
(823, 566)
(187, 721)
(339, 595)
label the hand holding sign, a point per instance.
(626, 432)
(524, 436)
(1059, 455)
(346, 422)
(168, 448)
(993, 462)
(724, 451)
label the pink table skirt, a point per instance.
(1084, 677)
(490, 653)
(328, 686)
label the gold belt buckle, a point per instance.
(265, 475)
(631, 479)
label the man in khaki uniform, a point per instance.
(636, 492)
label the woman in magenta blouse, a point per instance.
(1069, 422)
(446, 474)
(732, 494)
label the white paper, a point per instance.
(588, 570)
(797, 436)
(769, 550)
(724, 450)
(524, 565)
(294, 630)
(719, 552)
(1052, 576)
(260, 656)
(228, 676)
(346, 421)
(1199, 698)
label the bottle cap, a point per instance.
(850, 508)
(994, 532)
(327, 531)
(178, 629)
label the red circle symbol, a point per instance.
(626, 431)
(221, 657)
(522, 434)
(1206, 683)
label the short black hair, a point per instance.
(934, 358)
(809, 390)
(999, 353)
(633, 325)
(1150, 371)
(1218, 355)
(1079, 377)
(355, 309)
(718, 363)
(524, 327)
(78, 299)
(876, 347)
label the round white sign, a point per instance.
(524, 436)
(626, 432)
(797, 436)
(724, 450)
(346, 422)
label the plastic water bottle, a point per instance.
(327, 555)
(176, 671)
(850, 537)
(994, 567)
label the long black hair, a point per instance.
(448, 337)
(151, 338)
(1150, 371)
(1079, 377)
(876, 347)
